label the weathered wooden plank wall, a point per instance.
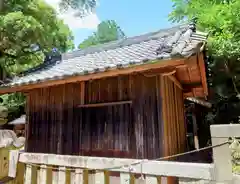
(52, 122)
(173, 116)
(174, 140)
(57, 125)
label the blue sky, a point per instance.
(135, 17)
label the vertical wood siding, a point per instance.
(57, 125)
(53, 124)
(174, 140)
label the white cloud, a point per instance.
(89, 22)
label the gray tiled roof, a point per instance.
(179, 41)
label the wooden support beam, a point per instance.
(202, 69)
(98, 75)
(189, 86)
(169, 73)
(175, 81)
(163, 71)
(105, 104)
(199, 101)
(190, 80)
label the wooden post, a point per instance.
(195, 132)
(27, 123)
(82, 92)
(222, 154)
(13, 160)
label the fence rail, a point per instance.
(35, 168)
(43, 168)
(149, 167)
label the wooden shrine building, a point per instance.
(120, 99)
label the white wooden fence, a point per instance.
(31, 168)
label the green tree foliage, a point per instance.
(106, 31)
(28, 30)
(221, 18)
(83, 7)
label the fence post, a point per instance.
(222, 155)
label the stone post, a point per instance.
(222, 155)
